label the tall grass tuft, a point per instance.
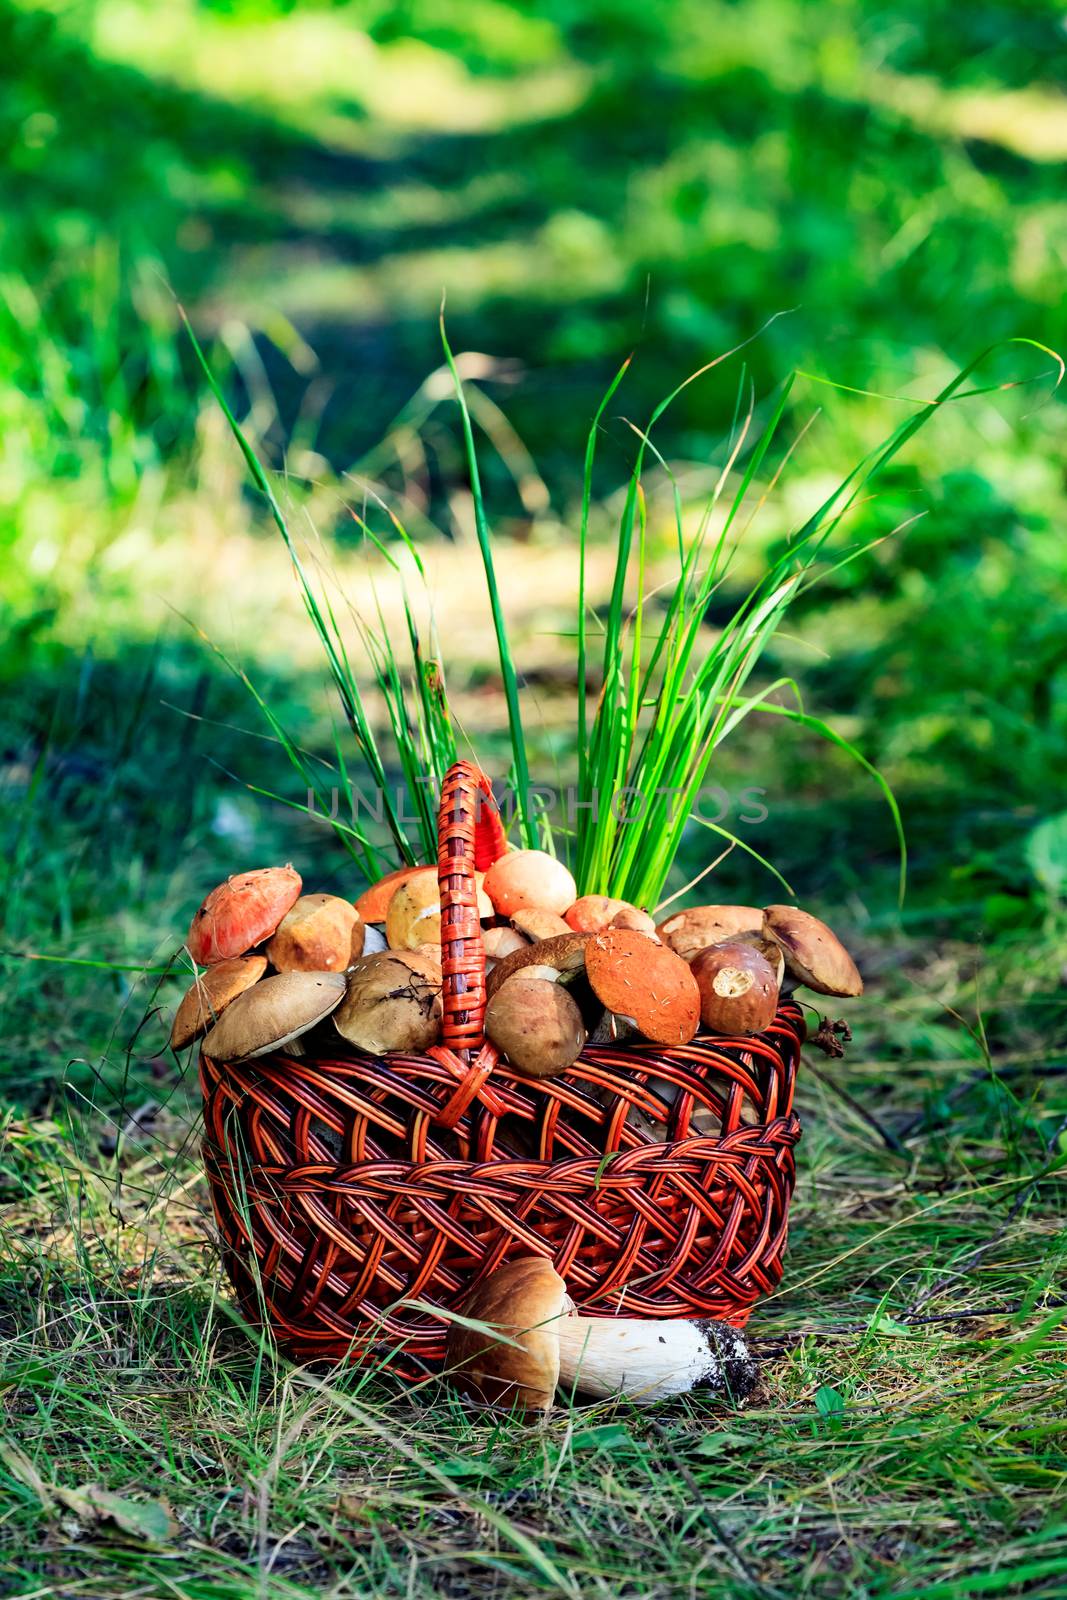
(669, 689)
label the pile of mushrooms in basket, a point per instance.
(282, 968)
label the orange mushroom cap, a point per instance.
(373, 903)
(591, 912)
(636, 978)
(241, 913)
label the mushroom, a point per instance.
(241, 913)
(536, 1024)
(593, 912)
(689, 931)
(536, 924)
(766, 947)
(318, 933)
(371, 939)
(389, 1005)
(644, 981)
(637, 921)
(526, 879)
(533, 1341)
(273, 1013)
(414, 913)
(210, 994)
(373, 903)
(738, 988)
(500, 942)
(814, 955)
(563, 956)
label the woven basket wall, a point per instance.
(355, 1193)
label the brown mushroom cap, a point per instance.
(373, 903)
(536, 1024)
(522, 1301)
(738, 988)
(210, 994)
(564, 954)
(389, 1005)
(272, 1013)
(689, 931)
(594, 911)
(648, 982)
(241, 913)
(316, 934)
(813, 953)
(537, 924)
(766, 947)
(525, 879)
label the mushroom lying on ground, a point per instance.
(213, 991)
(686, 932)
(273, 1013)
(241, 913)
(535, 1024)
(549, 1346)
(644, 981)
(317, 934)
(813, 953)
(414, 913)
(389, 1004)
(525, 879)
(535, 924)
(738, 988)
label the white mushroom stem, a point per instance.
(645, 1360)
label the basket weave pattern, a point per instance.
(353, 1193)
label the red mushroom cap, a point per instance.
(241, 913)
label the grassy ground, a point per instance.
(309, 178)
(907, 1437)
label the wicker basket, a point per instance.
(354, 1193)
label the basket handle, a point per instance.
(470, 837)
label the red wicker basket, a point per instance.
(355, 1193)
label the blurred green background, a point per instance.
(871, 193)
(582, 182)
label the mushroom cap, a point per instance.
(536, 924)
(648, 982)
(536, 1024)
(738, 988)
(592, 912)
(317, 934)
(523, 1301)
(637, 921)
(565, 954)
(389, 1005)
(414, 913)
(689, 931)
(210, 994)
(425, 959)
(241, 913)
(525, 879)
(766, 947)
(373, 903)
(813, 953)
(500, 942)
(272, 1013)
